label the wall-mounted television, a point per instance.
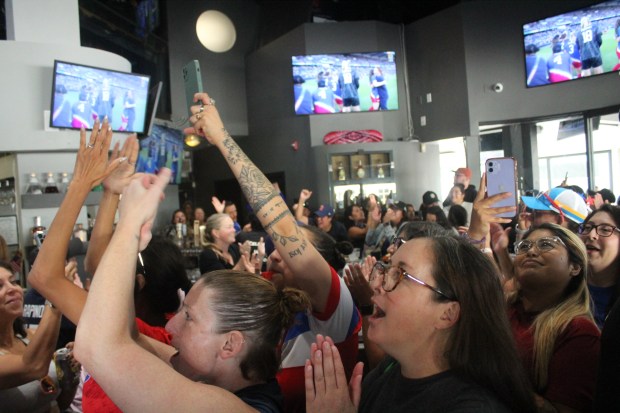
(162, 148)
(81, 94)
(573, 45)
(346, 82)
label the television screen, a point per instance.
(348, 82)
(162, 148)
(82, 94)
(573, 45)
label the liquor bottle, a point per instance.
(50, 184)
(38, 232)
(196, 233)
(341, 174)
(361, 173)
(179, 240)
(34, 186)
(380, 172)
(64, 182)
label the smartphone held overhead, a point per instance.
(192, 78)
(501, 177)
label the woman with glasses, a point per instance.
(439, 315)
(551, 319)
(549, 309)
(601, 235)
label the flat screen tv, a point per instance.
(573, 45)
(162, 148)
(347, 82)
(81, 94)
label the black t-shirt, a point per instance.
(338, 231)
(210, 261)
(470, 195)
(265, 397)
(386, 390)
(607, 396)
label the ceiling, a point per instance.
(112, 24)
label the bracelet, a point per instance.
(473, 241)
(486, 251)
(49, 304)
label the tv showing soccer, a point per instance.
(344, 83)
(574, 45)
(81, 94)
(162, 148)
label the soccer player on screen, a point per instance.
(589, 40)
(349, 83)
(559, 64)
(536, 66)
(572, 48)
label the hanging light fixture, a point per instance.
(216, 31)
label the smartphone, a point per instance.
(502, 177)
(192, 78)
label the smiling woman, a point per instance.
(601, 235)
(551, 319)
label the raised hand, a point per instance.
(483, 212)
(218, 205)
(304, 195)
(356, 277)
(121, 176)
(91, 164)
(138, 206)
(326, 383)
(206, 120)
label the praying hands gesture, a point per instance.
(326, 382)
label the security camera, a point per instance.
(497, 87)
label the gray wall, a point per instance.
(479, 43)
(223, 74)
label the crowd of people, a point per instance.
(458, 308)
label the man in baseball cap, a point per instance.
(463, 176)
(325, 222)
(560, 206)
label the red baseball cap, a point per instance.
(463, 171)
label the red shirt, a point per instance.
(94, 399)
(573, 365)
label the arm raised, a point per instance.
(311, 272)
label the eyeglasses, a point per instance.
(543, 244)
(398, 242)
(392, 275)
(604, 230)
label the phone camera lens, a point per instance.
(490, 169)
(490, 163)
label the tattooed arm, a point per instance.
(309, 270)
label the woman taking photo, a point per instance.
(549, 309)
(437, 304)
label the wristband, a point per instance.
(473, 241)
